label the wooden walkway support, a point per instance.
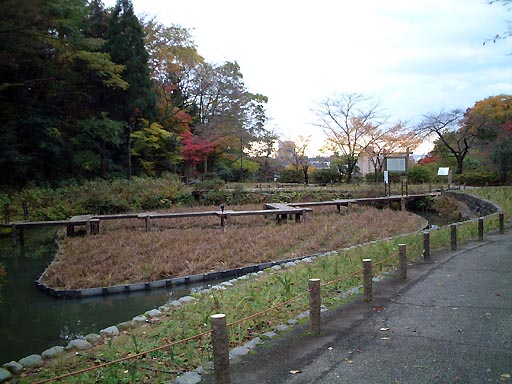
(281, 211)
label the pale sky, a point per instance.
(413, 56)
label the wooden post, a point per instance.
(95, 226)
(14, 235)
(147, 220)
(480, 229)
(87, 227)
(22, 236)
(367, 279)
(502, 223)
(220, 348)
(402, 261)
(453, 237)
(349, 207)
(222, 220)
(402, 204)
(338, 208)
(297, 217)
(426, 245)
(314, 305)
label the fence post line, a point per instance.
(314, 305)
(367, 279)
(220, 344)
(453, 237)
(502, 223)
(402, 261)
(480, 229)
(426, 245)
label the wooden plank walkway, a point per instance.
(281, 210)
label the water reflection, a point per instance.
(31, 321)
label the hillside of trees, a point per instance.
(89, 92)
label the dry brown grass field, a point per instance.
(124, 253)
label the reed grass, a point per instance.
(125, 253)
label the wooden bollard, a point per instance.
(147, 220)
(367, 279)
(314, 305)
(453, 237)
(402, 204)
(502, 223)
(426, 245)
(220, 345)
(480, 229)
(349, 207)
(402, 261)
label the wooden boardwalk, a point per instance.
(282, 212)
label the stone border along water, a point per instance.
(194, 377)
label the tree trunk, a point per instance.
(103, 169)
(129, 153)
(460, 161)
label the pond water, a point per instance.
(32, 321)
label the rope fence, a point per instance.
(417, 246)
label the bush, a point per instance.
(420, 175)
(477, 178)
(324, 176)
(209, 185)
(291, 176)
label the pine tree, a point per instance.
(125, 44)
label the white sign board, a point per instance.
(386, 177)
(396, 164)
(443, 171)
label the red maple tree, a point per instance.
(195, 149)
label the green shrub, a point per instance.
(324, 176)
(291, 176)
(476, 178)
(420, 175)
(209, 185)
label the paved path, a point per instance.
(450, 322)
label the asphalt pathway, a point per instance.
(449, 322)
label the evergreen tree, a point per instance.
(125, 44)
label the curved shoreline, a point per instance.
(476, 204)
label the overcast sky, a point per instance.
(413, 56)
